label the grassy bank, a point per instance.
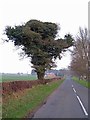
(19, 104)
(82, 82)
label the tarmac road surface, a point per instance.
(70, 100)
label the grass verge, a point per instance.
(82, 82)
(18, 105)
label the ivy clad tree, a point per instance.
(38, 41)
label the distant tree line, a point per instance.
(60, 72)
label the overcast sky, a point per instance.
(70, 14)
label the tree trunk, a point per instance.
(40, 75)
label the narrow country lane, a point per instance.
(70, 100)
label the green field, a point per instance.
(16, 77)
